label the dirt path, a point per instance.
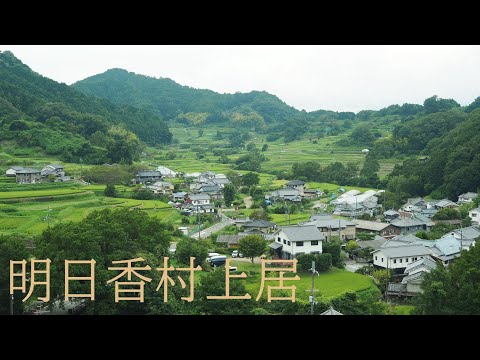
(248, 202)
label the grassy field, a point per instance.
(280, 155)
(402, 309)
(329, 285)
(30, 216)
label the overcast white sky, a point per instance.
(342, 78)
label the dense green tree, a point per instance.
(229, 194)
(110, 191)
(435, 104)
(265, 147)
(187, 248)
(252, 246)
(213, 284)
(334, 248)
(11, 248)
(250, 179)
(259, 214)
(447, 214)
(105, 236)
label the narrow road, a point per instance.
(213, 229)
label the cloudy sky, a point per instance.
(342, 78)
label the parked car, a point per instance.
(211, 255)
(218, 260)
(233, 268)
(237, 253)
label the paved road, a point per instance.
(352, 266)
(213, 229)
(256, 260)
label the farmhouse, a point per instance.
(390, 215)
(446, 249)
(260, 225)
(466, 236)
(297, 185)
(398, 257)
(444, 204)
(198, 203)
(331, 227)
(284, 194)
(231, 240)
(384, 229)
(161, 187)
(166, 172)
(12, 172)
(179, 196)
(467, 198)
(475, 216)
(144, 177)
(409, 226)
(28, 176)
(53, 169)
(414, 274)
(291, 241)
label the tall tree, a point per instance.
(252, 246)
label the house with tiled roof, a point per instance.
(291, 241)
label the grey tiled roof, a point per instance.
(427, 261)
(259, 223)
(407, 222)
(391, 212)
(445, 202)
(370, 225)
(295, 182)
(28, 171)
(331, 311)
(374, 244)
(405, 250)
(196, 197)
(468, 233)
(302, 233)
(149, 174)
(275, 245)
(333, 223)
(230, 239)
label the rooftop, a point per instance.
(405, 222)
(28, 171)
(259, 223)
(405, 250)
(302, 233)
(196, 197)
(295, 183)
(331, 311)
(370, 225)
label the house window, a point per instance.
(376, 258)
(288, 243)
(394, 261)
(408, 229)
(284, 241)
(474, 215)
(382, 259)
(299, 243)
(314, 243)
(406, 260)
(279, 240)
(401, 261)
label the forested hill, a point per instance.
(37, 111)
(170, 99)
(257, 110)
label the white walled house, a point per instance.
(199, 199)
(12, 172)
(399, 257)
(467, 198)
(475, 216)
(292, 241)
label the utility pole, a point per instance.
(312, 296)
(386, 285)
(198, 218)
(48, 216)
